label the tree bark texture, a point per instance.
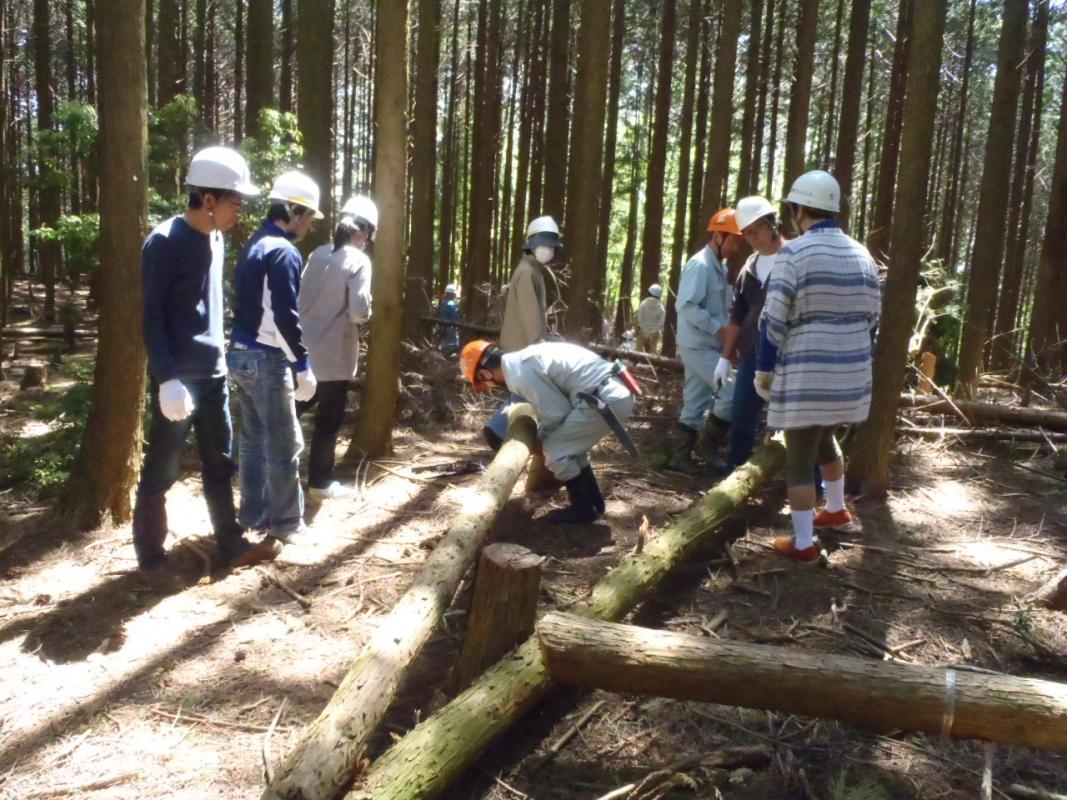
(988, 252)
(796, 139)
(746, 179)
(980, 413)
(168, 53)
(105, 471)
(323, 759)
(285, 74)
(851, 95)
(48, 253)
(696, 187)
(314, 56)
(559, 113)
(875, 695)
(260, 62)
(238, 69)
(425, 761)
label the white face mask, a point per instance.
(544, 254)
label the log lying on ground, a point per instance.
(323, 760)
(984, 434)
(13, 333)
(877, 695)
(984, 413)
(1053, 594)
(432, 755)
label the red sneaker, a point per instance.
(833, 519)
(787, 546)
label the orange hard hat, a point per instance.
(724, 221)
(469, 359)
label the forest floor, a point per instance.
(113, 691)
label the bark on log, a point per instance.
(502, 611)
(1054, 593)
(983, 434)
(425, 761)
(322, 762)
(979, 412)
(876, 695)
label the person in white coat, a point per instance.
(650, 318)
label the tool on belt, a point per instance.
(622, 372)
(618, 370)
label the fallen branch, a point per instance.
(561, 742)
(983, 434)
(285, 587)
(1027, 793)
(976, 412)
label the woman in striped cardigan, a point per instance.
(814, 362)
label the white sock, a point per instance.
(835, 494)
(803, 526)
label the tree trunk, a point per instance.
(425, 761)
(323, 760)
(800, 93)
(586, 153)
(105, 471)
(168, 28)
(515, 226)
(870, 453)
(448, 169)
(746, 179)
(285, 74)
(868, 139)
(832, 101)
(618, 30)
(314, 55)
(851, 95)
(776, 80)
(260, 62)
(200, 59)
(48, 253)
(623, 308)
(559, 112)
(238, 69)
(993, 196)
(979, 413)
(696, 188)
(874, 695)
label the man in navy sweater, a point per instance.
(181, 267)
(266, 348)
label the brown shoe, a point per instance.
(265, 550)
(833, 519)
(787, 546)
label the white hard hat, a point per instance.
(452, 289)
(362, 209)
(816, 189)
(296, 187)
(221, 168)
(543, 231)
(750, 209)
(655, 290)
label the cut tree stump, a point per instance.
(984, 413)
(323, 760)
(1054, 593)
(424, 762)
(876, 695)
(502, 612)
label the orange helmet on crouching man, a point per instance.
(471, 359)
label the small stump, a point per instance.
(33, 376)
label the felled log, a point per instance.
(982, 434)
(502, 611)
(322, 761)
(876, 695)
(46, 333)
(432, 755)
(1053, 594)
(984, 413)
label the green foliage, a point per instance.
(168, 143)
(842, 787)
(79, 234)
(276, 149)
(76, 133)
(938, 306)
(79, 127)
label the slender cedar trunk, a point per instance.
(259, 93)
(1004, 351)
(851, 95)
(717, 171)
(800, 93)
(506, 192)
(151, 67)
(946, 236)
(448, 170)
(211, 78)
(528, 44)
(618, 30)
(285, 74)
(626, 270)
(652, 238)
(700, 124)
(878, 238)
(746, 183)
(314, 53)
(538, 104)
(70, 62)
(776, 96)
(7, 265)
(183, 48)
(992, 200)
(937, 175)
(767, 38)
(465, 166)
(200, 59)
(869, 465)
(559, 111)
(105, 471)
(14, 206)
(378, 412)
(1048, 321)
(868, 147)
(347, 105)
(832, 101)
(586, 152)
(168, 28)
(238, 70)
(48, 253)
(419, 289)
(685, 128)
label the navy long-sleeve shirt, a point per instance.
(181, 273)
(266, 287)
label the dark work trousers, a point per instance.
(330, 398)
(162, 467)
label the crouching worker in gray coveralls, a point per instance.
(575, 393)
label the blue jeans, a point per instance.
(498, 423)
(745, 415)
(162, 467)
(269, 441)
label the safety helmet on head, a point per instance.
(724, 221)
(750, 209)
(296, 187)
(816, 189)
(543, 232)
(655, 290)
(363, 211)
(221, 168)
(470, 358)
(452, 289)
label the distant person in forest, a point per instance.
(650, 318)
(181, 268)
(813, 363)
(703, 305)
(266, 348)
(334, 301)
(448, 309)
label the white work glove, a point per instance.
(722, 373)
(762, 382)
(175, 400)
(305, 385)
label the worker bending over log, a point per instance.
(578, 397)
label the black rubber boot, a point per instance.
(598, 498)
(491, 439)
(681, 454)
(150, 530)
(582, 508)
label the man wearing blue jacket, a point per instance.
(266, 349)
(181, 268)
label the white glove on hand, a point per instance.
(722, 372)
(305, 385)
(762, 382)
(175, 400)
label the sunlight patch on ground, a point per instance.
(955, 498)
